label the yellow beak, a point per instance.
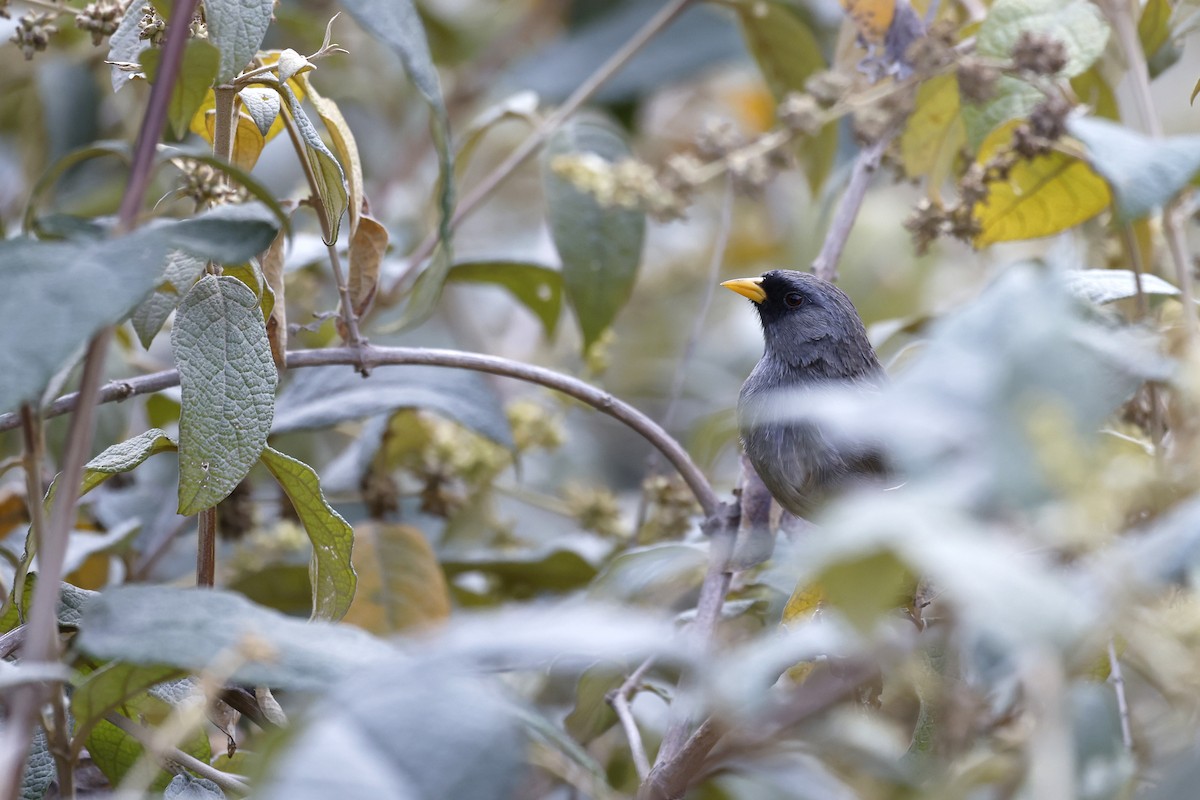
(747, 287)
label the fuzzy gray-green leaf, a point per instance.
(228, 382)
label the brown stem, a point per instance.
(206, 547)
(224, 122)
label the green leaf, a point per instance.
(256, 189)
(262, 104)
(188, 628)
(788, 54)
(65, 292)
(185, 787)
(228, 382)
(120, 457)
(521, 105)
(237, 28)
(1093, 89)
(71, 602)
(229, 234)
(182, 271)
(1013, 99)
(346, 147)
(866, 587)
(115, 752)
(537, 287)
(196, 75)
(524, 573)
(1144, 173)
(56, 170)
(426, 292)
(592, 714)
(282, 586)
(1078, 24)
(659, 574)
(1154, 34)
(600, 247)
(330, 179)
(40, 769)
(104, 689)
(333, 578)
(1109, 285)
(403, 731)
(323, 396)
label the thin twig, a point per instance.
(349, 318)
(539, 135)
(708, 612)
(1117, 679)
(825, 265)
(620, 699)
(230, 783)
(373, 356)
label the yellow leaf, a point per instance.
(272, 269)
(203, 128)
(934, 126)
(248, 141)
(867, 587)
(402, 586)
(872, 18)
(803, 604)
(1042, 196)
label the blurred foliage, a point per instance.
(486, 564)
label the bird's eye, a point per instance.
(793, 299)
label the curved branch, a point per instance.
(372, 356)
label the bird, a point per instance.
(813, 338)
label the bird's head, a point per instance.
(808, 322)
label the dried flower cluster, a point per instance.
(100, 18)
(671, 506)
(34, 31)
(207, 186)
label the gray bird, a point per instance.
(813, 337)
